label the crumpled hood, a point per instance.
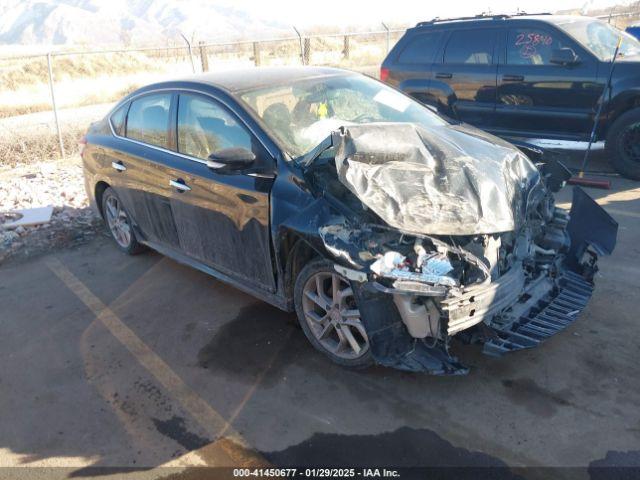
(440, 180)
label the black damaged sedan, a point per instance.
(387, 228)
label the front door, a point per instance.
(539, 99)
(222, 218)
(467, 74)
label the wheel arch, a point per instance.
(297, 252)
(99, 190)
(621, 104)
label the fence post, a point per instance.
(345, 47)
(301, 46)
(256, 54)
(307, 51)
(193, 65)
(204, 59)
(388, 35)
(53, 104)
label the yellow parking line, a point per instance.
(232, 450)
(121, 302)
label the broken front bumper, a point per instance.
(548, 316)
(593, 232)
(513, 312)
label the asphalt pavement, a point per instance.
(118, 362)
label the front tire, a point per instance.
(118, 223)
(329, 315)
(623, 144)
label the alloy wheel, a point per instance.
(118, 222)
(330, 311)
(631, 142)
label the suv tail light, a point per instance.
(384, 74)
(82, 143)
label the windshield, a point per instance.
(601, 38)
(302, 114)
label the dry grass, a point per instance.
(13, 110)
(24, 148)
(16, 73)
(7, 111)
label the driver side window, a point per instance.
(531, 46)
(204, 126)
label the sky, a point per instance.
(358, 12)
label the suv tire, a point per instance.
(623, 144)
(329, 315)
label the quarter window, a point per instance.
(117, 120)
(148, 119)
(531, 46)
(421, 49)
(470, 46)
(204, 126)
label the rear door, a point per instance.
(412, 68)
(141, 162)
(465, 75)
(222, 218)
(537, 98)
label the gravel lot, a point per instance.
(59, 184)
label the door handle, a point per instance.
(118, 166)
(512, 78)
(443, 75)
(179, 185)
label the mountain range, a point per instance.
(41, 23)
(118, 22)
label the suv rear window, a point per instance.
(420, 49)
(148, 119)
(470, 46)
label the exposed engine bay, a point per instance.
(442, 243)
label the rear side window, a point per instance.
(117, 119)
(148, 119)
(420, 49)
(531, 46)
(470, 46)
(204, 126)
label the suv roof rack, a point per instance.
(481, 16)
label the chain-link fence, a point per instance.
(48, 100)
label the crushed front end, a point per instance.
(457, 238)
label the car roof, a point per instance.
(250, 78)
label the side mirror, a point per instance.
(564, 56)
(236, 158)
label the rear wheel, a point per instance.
(623, 144)
(119, 224)
(329, 315)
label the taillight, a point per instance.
(82, 143)
(384, 74)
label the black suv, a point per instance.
(536, 76)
